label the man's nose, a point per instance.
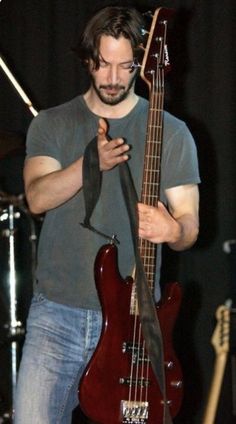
(114, 74)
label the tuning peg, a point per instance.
(144, 31)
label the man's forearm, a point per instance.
(186, 232)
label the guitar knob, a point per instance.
(177, 384)
(169, 365)
(167, 402)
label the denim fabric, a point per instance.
(59, 343)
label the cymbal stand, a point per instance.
(14, 327)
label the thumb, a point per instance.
(102, 127)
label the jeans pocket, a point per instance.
(38, 299)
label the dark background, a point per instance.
(35, 40)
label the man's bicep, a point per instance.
(39, 166)
(183, 200)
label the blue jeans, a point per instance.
(59, 343)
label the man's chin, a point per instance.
(112, 98)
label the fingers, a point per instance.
(112, 152)
(154, 222)
(102, 127)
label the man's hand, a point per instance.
(157, 225)
(112, 152)
(178, 225)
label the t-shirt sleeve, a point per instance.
(179, 159)
(42, 139)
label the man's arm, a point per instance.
(179, 225)
(47, 185)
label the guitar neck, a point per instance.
(220, 341)
(214, 394)
(154, 67)
(152, 169)
(153, 148)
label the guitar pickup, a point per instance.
(129, 347)
(141, 382)
(137, 352)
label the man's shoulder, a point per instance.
(172, 121)
(64, 108)
(63, 114)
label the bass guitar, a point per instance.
(220, 341)
(118, 385)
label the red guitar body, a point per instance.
(105, 385)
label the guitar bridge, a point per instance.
(134, 412)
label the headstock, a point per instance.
(220, 338)
(156, 56)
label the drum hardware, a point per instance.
(13, 334)
(14, 201)
(4, 217)
(5, 417)
(11, 281)
(19, 202)
(14, 207)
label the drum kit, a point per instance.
(17, 228)
(18, 244)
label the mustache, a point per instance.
(112, 87)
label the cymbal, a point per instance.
(10, 141)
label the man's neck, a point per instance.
(110, 111)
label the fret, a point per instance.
(148, 257)
(154, 126)
(156, 157)
(150, 273)
(145, 183)
(150, 199)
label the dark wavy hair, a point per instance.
(115, 21)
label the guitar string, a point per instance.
(152, 166)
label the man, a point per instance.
(64, 321)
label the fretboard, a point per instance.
(151, 174)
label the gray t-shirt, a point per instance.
(67, 251)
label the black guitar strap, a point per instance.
(92, 180)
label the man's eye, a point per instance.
(126, 65)
(103, 64)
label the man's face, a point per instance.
(113, 81)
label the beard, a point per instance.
(117, 94)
